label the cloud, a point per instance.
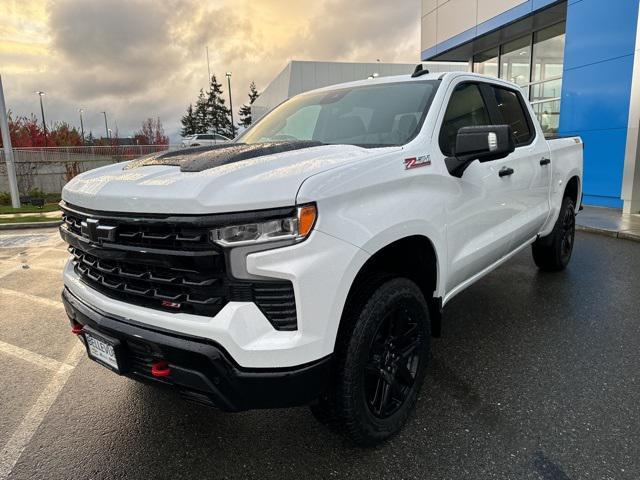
(140, 58)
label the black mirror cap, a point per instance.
(484, 143)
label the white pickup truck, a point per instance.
(307, 262)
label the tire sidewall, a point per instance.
(567, 204)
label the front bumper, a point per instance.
(321, 270)
(202, 370)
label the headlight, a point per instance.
(295, 228)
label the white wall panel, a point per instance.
(428, 6)
(428, 35)
(487, 9)
(454, 17)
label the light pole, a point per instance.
(106, 126)
(44, 124)
(233, 128)
(81, 125)
(8, 151)
(208, 67)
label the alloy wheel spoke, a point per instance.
(407, 337)
(404, 375)
(372, 368)
(377, 392)
(390, 369)
(384, 397)
(409, 349)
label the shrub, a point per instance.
(52, 197)
(37, 193)
(5, 198)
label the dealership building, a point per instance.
(576, 60)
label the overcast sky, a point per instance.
(140, 58)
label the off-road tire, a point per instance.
(399, 304)
(553, 252)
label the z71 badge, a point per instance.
(415, 162)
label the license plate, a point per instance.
(101, 350)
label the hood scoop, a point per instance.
(203, 158)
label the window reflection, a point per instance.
(487, 62)
(515, 61)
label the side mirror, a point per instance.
(485, 143)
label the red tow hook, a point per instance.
(76, 329)
(160, 368)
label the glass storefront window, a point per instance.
(535, 62)
(515, 60)
(547, 62)
(487, 62)
(548, 113)
(548, 53)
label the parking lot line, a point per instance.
(11, 270)
(32, 357)
(47, 269)
(13, 449)
(17, 268)
(32, 298)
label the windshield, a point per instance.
(368, 116)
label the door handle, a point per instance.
(545, 161)
(505, 171)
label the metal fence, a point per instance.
(49, 169)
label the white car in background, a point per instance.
(204, 140)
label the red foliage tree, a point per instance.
(64, 135)
(151, 133)
(26, 132)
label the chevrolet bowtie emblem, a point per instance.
(91, 229)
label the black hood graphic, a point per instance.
(203, 158)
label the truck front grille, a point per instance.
(148, 234)
(170, 266)
(195, 291)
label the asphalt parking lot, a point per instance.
(536, 376)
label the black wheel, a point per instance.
(553, 252)
(380, 364)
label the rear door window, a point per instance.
(512, 110)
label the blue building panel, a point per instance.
(596, 96)
(596, 90)
(603, 166)
(599, 30)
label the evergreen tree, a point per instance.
(210, 114)
(189, 126)
(245, 111)
(202, 116)
(219, 119)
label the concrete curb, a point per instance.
(25, 226)
(609, 233)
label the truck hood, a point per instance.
(250, 184)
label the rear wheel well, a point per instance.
(412, 257)
(571, 190)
